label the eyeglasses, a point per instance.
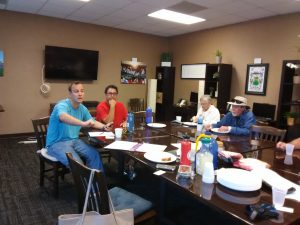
(112, 93)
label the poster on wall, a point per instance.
(133, 72)
(1, 63)
(256, 79)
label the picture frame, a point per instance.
(133, 72)
(256, 79)
(1, 63)
(193, 71)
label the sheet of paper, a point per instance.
(145, 147)
(122, 145)
(106, 134)
(159, 172)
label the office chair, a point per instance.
(55, 169)
(99, 201)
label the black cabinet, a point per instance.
(165, 93)
(289, 95)
(218, 84)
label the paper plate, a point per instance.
(160, 157)
(156, 125)
(239, 180)
(216, 130)
(190, 124)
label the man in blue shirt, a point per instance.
(238, 121)
(66, 119)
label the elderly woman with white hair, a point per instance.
(209, 112)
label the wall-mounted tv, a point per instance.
(70, 63)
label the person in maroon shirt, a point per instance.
(110, 110)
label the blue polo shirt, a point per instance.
(60, 131)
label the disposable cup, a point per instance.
(178, 118)
(118, 132)
(289, 148)
(278, 196)
(288, 160)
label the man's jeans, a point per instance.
(79, 149)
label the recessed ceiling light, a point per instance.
(84, 0)
(169, 15)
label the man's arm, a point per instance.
(68, 119)
(295, 142)
(111, 114)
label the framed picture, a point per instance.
(133, 72)
(193, 71)
(1, 63)
(256, 80)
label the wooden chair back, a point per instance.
(98, 199)
(40, 127)
(267, 133)
(136, 104)
(140, 118)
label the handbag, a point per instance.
(120, 217)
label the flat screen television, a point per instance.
(70, 63)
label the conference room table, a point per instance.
(226, 203)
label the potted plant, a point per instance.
(166, 58)
(291, 117)
(218, 55)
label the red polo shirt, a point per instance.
(120, 113)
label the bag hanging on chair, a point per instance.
(120, 217)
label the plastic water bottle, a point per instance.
(148, 115)
(200, 124)
(130, 122)
(214, 151)
(204, 155)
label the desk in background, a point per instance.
(187, 112)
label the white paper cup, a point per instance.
(289, 148)
(288, 160)
(118, 132)
(178, 118)
(278, 196)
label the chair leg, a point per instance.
(42, 172)
(56, 181)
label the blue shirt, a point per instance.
(240, 125)
(60, 131)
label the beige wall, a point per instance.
(23, 38)
(272, 39)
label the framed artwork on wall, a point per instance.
(1, 63)
(133, 72)
(256, 79)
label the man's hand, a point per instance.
(112, 102)
(207, 127)
(281, 145)
(108, 127)
(88, 123)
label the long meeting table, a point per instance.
(226, 203)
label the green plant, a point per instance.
(291, 114)
(218, 53)
(166, 57)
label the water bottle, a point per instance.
(148, 115)
(214, 151)
(200, 124)
(130, 122)
(204, 155)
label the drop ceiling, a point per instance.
(132, 14)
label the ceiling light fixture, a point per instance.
(84, 0)
(169, 15)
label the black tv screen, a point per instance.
(70, 63)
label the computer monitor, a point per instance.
(194, 98)
(263, 110)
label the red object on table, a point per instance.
(185, 148)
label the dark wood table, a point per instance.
(226, 203)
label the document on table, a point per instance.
(106, 134)
(135, 146)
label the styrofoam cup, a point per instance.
(178, 118)
(278, 196)
(118, 132)
(289, 148)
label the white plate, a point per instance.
(190, 124)
(216, 130)
(239, 180)
(158, 157)
(156, 125)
